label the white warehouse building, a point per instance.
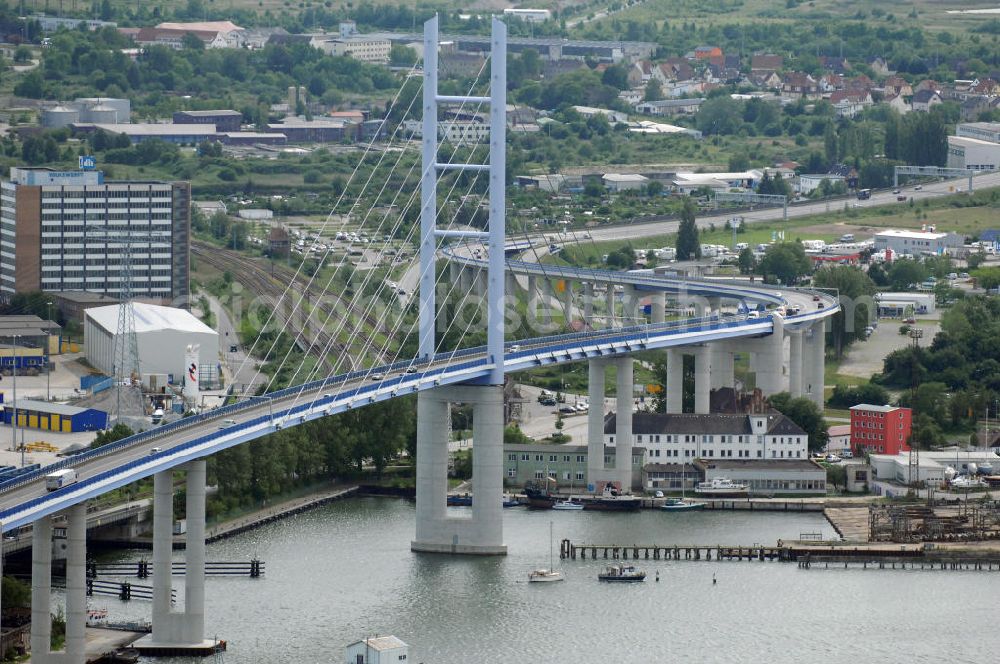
(162, 334)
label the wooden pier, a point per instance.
(808, 554)
(671, 552)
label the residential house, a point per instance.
(632, 96)
(897, 85)
(640, 72)
(769, 80)
(987, 87)
(927, 84)
(800, 84)
(879, 66)
(848, 104)
(859, 83)
(830, 82)
(974, 106)
(925, 100)
(674, 69)
(766, 63)
(899, 103)
(706, 53)
(836, 64)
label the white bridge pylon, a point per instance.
(436, 531)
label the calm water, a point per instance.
(345, 571)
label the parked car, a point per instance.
(548, 401)
(910, 321)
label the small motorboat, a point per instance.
(567, 505)
(680, 505)
(456, 500)
(510, 501)
(622, 573)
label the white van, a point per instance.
(60, 478)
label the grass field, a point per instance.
(928, 14)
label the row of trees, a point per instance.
(316, 451)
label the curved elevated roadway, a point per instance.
(25, 499)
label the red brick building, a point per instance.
(880, 429)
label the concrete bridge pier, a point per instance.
(630, 305)
(480, 282)
(675, 380)
(623, 423)
(658, 306)
(178, 630)
(795, 363)
(596, 368)
(567, 301)
(723, 365)
(436, 530)
(702, 378)
(768, 363)
(588, 303)
(609, 297)
(814, 360)
(76, 590)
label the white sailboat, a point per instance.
(546, 575)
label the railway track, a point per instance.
(259, 280)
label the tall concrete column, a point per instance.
(609, 297)
(595, 421)
(723, 365)
(715, 306)
(41, 588)
(479, 282)
(532, 297)
(510, 286)
(454, 272)
(795, 363)
(432, 463)
(702, 379)
(76, 585)
(658, 306)
(436, 531)
(163, 544)
(623, 423)
(487, 468)
(768, 364)
(194, 554)
(630, 305)
(588, 303)
(675, 380)
(817, 351)
(567, 301)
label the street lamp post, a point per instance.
(48, 358)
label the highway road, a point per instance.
(928, 190)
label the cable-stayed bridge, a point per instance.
(477, 272)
